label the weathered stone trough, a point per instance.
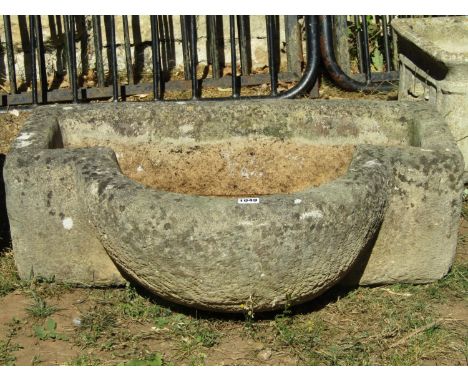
(434, 68)
(235, 204)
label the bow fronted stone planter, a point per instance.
(223, 206)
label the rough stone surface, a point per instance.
(434, 68)
(391, 217)
(51, 234)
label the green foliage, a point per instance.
(96, 323)
(84, 360)
(464, 212)
(40, 308)
(378, 60)
(8, 347)
(135, 306)
(6, 356)
(49, 331)
(205, 335)
(153, 360)
(375, 34)
(9, 280)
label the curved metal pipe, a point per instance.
(313, 59)
(335, 72)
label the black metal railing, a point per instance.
(338, 75)
(316, 33)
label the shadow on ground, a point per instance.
(5, 238)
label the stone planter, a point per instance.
(235, 205)
(434, 68)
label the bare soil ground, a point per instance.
(44, 323)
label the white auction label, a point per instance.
(248, 200)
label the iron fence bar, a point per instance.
(94, 93)
(113, 64)
(359, 44)
(244, 44)
(194, 56)
(184, 20)
(67, 45)
(128, 53)
(10, 55)
(309, 77)
(306, 81)
(156, 58)
(41, 59)
(98, 50)
(71, 50)
(56, 31)
(365, 36)
(271, 55)
(329, 61)
(386, 44)
(32, 44)
(232, 35)
(216, 69)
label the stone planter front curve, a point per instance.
(214, 253)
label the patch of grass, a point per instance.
(155, 359)
(6, 350)
(36, 360)
(95, 324)
(394, 326)
(9, 280)
(196, 331)
(464, 212)
(455, 284)
(40, 308)
(84, 360)
(204, 334)
(300, 335)
(192, 336)
(7, 347)
(135, 306)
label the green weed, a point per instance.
(9, 280)
(84, 360)
(152, 360)
(8, 347)
(6, 350)
(95, 324)
(40, 308)
(48, 331)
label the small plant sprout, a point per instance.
(39, 307)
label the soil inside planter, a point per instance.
(245, 167)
